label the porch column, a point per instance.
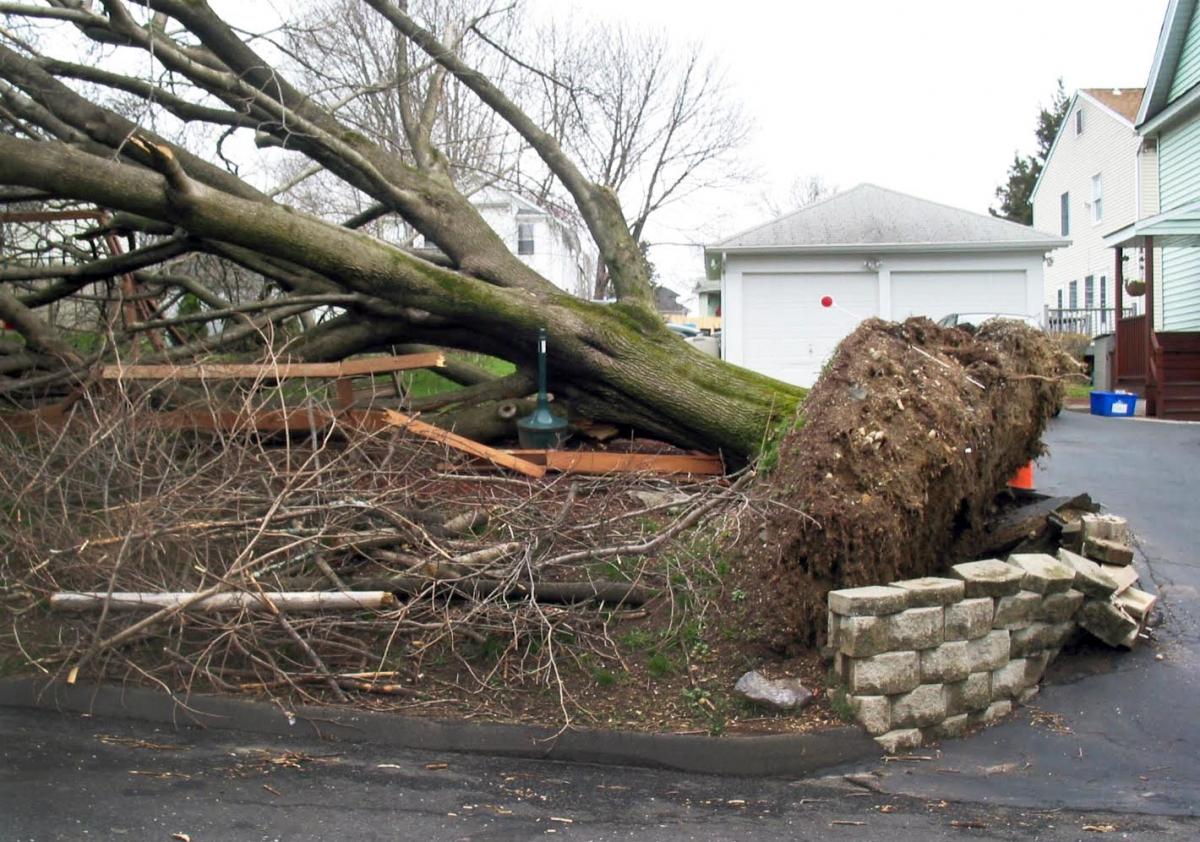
(1119, 301)
(1151, 367)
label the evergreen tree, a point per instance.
(1016, 194)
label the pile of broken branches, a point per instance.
(322, 567)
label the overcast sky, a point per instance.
(930, 97)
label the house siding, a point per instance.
(1180, 295)
(1179, 181)
(1147, 179)
(1108, 146)
(1187, 71)
(1179, 165)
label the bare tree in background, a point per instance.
(65, 139)
(799, 194)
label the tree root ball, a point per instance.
(907, 437)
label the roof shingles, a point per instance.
(868, 215)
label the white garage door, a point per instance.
(938, 294)
(788, 334)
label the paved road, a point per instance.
(1134, 721)
(1132, 749)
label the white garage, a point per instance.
(874, 252)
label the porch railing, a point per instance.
(1091, 321)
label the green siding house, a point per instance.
(1159, 354)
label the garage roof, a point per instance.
(876, 219)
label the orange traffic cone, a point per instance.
(1023, 478)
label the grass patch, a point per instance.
(659, 665)
(423, 382)
(1079, 390)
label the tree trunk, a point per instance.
(616, 363)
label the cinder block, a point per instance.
(971, 694)
(861, 637)
(990, 652)
(1136, 603)
(874, 713)
(1043, 574)
(992, 713)
(932, 590)
(872, 601)
(902, 739)
(1107, 527)
(951, 727)
(925, 705)
(1109, 552)
(1035, 637)
(1009, 680)
(884, 674)
(948, 662)
(1108, 622)
(1017, 610)
(916, 628)
(1059, 607)
(1089, 577)
(1059, 635)
(970, 618)
(990, 577)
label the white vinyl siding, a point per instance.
(1180, 289)
(1148, 179)
(930, 293)
(1179, 165)
(1108, 147)
(1187, 71)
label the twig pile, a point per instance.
(497, 579)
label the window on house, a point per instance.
(1065, 213)
(1097, 198)
(1060, 299)
(1079, 121)
(1089, 292)
(1073, 294)
(524, 238)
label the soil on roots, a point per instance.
(906, 438)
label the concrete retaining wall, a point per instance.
(928, 658)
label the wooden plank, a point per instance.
(604, 462)
(237, 601)
(272, 371)
(496, 457)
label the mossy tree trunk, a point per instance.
(616, 363)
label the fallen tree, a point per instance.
(615, 363)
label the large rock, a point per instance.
(970, 618)
(885, 674)
(872, 601)
(1016, 611)
(1010, 679)
(925, 705)
(932, 590)
(778, 693)
(1043, 574)
(990, 577)
(1089, 577)
(949, 728)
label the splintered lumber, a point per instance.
(273, 371)
(84, 601)
(604, 462)
(481, 587)
(474, 448)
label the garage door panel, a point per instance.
(788, 334)
(938, 294)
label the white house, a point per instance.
(555, 248)
(875, 252)
(1100, 174)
